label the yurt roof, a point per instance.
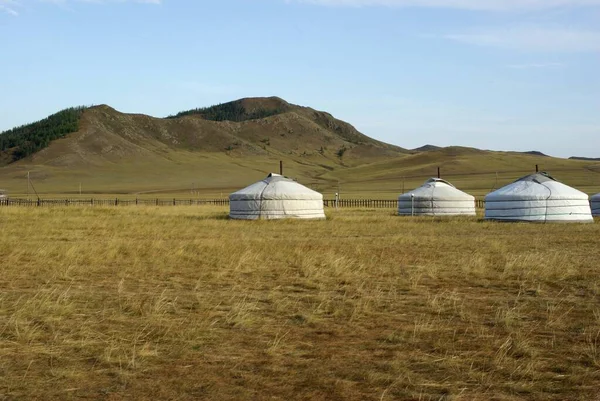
(535, 186)
(538, 177)
(276, 186)
(437, 188)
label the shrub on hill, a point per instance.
(27, 139)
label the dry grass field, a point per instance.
(181, 303)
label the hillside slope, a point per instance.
(20, 142)
(106, 135)
(212, 151)
(223, 145)
(474, 170)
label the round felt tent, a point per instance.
(595, 202)
(538, 198)
(436, 197)
(276, 197)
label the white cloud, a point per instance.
(483, 5)
(8, 10)
(534, 39)
(9, 4)
(9, 7)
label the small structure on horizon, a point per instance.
(276, 197)
(436, 197)
(538, 198)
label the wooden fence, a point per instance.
(342, 203)
(111, 202)
(377, 203)
(369, 203)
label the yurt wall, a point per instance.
(595, 203)
(276, 197)
(538, 198)
(436, 197)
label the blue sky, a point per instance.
(493, 74)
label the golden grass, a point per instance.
(181, 303)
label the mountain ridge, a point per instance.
(204, 150)
(244, 126)
(584, 158)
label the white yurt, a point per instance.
(595, 202)
(276, 197)
(436, 198)
(538, 198)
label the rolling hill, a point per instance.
(247, 127)
(597, 159)
(211, 151)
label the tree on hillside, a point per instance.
(232, 111)
(27, 139)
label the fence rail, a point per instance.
(342, 203)
(111, 202)
(371, 203)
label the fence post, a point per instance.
(116, 201)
